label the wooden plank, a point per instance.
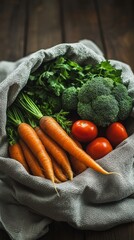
(117, 22)
(65, 231)
(123, 232)
(79, 234)
(80, 21)
(44, 27)
(60, 231)
(12, 27)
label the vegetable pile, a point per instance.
(53, 126)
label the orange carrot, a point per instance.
(77, 166)
(56, 151)
(55, 131)
(29, 136)
(31, 160)
(33, 163)
(56, 180)
(16, 152)
(58, 171)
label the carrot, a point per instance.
(33, 163)
(56, 180)
(77, 166)
(58, 171)
(55, 131)
(14, 148)
(56, 151)
(31, 160)
(15, 152)
(30, 137)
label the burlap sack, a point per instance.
(91, 201)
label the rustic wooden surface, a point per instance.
(27, 26)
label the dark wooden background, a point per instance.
(29, 25)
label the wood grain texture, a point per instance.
(63, 231)
(117, 23)
(43, 25)
(12, 27)
(80, 21)
(121, 232)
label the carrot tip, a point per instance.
(71, 178)
(56, 190)
(109, 173)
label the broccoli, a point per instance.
(106, 109)
(69, 99)
(124, 100)
(85, 111)
(120, 92)
(97, 86)
(103, 101)
(125, 107)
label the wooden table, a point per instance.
(29, 25)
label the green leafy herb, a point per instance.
(56, 76)
(103, 69)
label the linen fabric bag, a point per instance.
(91, 200)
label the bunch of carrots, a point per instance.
(41, 145)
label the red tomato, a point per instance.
(98, 148)
(116, 133)
(84, 131)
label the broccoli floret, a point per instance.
(106, 110)
(125, 107)
(70, 99)
(85, 111)
(95, 87)
(124, 100)
(103, 102)
(108, 82)
(120, 92)
(96, 111)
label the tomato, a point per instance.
(116, 133)
(98, 148)
(84, 130)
